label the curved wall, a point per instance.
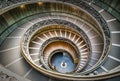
(12, 18)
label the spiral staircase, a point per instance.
(57, 40)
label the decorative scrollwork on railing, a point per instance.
(5, 3)
(98, 17)
(44, 23)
